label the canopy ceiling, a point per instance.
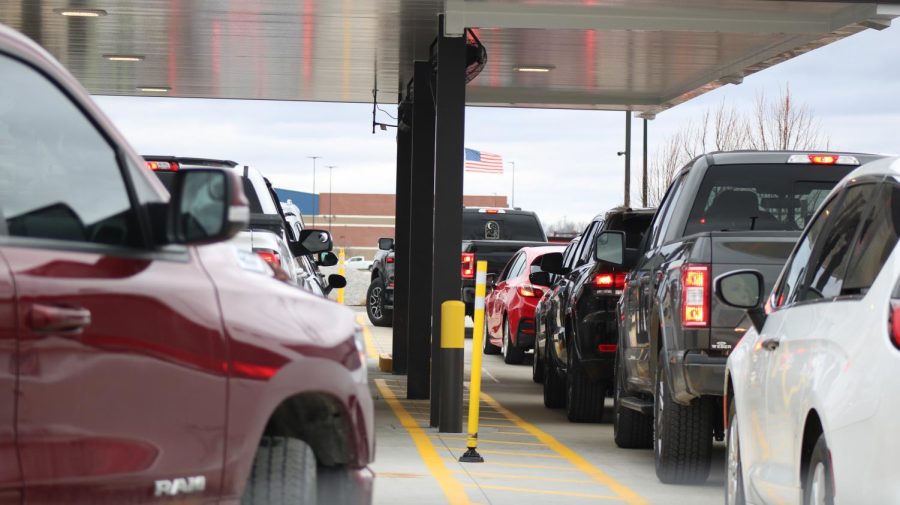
(642, 55)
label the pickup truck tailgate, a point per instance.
(496, 252)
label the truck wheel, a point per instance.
(488, 347)
(631, 429)
(818, 488)
(682, 436)
(537, 366)
(554, 387)
(584, 397)
(512, 354)
(734, 469)
(375, 304)
(284, 472)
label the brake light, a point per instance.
(695, 296)
(491, 211)
(468, 266)
(894, 323)
(270, 257)
(606, 347)
(823, 159)
(162, 165)
(389, 259)
(529, 291)
(605, 280)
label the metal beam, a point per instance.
(421, 234)
(402, 251)
(461, 14)
(450, 127)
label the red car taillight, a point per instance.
(610, 280)
(270, 257)
(529, 291)
(695, 296)
(468, 266)
(894, 323)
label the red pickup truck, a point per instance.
(143, 358)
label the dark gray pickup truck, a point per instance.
(723, 212)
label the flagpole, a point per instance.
(513, 163)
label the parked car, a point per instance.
(723, 212)
(152, 363)
(811, 386)
(582, 328)
(380, 294)
(509, 306)
(358, 263)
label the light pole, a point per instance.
(513, 163)
(315, 198)
(330, 198)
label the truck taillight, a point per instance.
(894, 323)
(529, 291)
(270, 257)
(389, 259)
(609, 280)
(468, 266)
(695, 296)
(162, 165)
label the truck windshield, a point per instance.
(525, 227)
(761, 197)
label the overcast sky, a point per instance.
(566, 162)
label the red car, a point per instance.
(509, 306)
(142, 357)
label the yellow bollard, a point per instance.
(341, 272)
(453, 349)
(478, 336)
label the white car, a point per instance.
(812, 399)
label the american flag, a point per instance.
(483, 162)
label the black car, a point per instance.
(575, 352)
(380, 294)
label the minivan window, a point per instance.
(876, 242)
(48, 150)
(483, 226)
(761, 197)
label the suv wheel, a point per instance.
(682, 435)
(584, 397)
(631, 429)
(375, 304)
(284, 472)
(488, 347)
(554, 387)
(512, 354)
(537, 365)
(734, 469)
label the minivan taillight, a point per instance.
(609, 280)
(270, 257)
(894, 323)
(468, 266)
(695, 296)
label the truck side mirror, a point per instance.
(207, 206)
(609, 247)
(326, 259)
(311, 242)
(386, 243)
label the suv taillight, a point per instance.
(894, 323)
(468, 266)
(270, 257)
(609, 280)
(695, 296)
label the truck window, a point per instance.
(761, 197)
(526, 227)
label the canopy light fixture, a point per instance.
(534, 68)
(123, 57)
(81, 13)
(153, 89)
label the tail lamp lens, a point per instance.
(270, 257)
(894, 323)
(162, 165)
(529, 291)
(468, 266)
(389, 259)
(609, 280)
(695, 296)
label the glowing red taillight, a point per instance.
(389, 259)
(695, 296)
(468, 266)
(529, 291)
(606, 347)
(894, 323)
(270, 257)
(162, 165)
(610, 280)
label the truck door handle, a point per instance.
(54, 318)
(771, 344)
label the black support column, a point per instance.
(448, 195)
(402, 248)
(421, 236)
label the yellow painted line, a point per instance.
(546, 491)
(623, 492)
(371, 350)
(488, 441)
(520, 465)
(484, 425)
(511, 433)
(512, 453)
(452, 489)
(519, 477)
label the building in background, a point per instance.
(358, 220)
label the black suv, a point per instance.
(576, 345)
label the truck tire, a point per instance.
(378, 315)
(283, 473)
(631, 429)
(554, 387)
(682, 435)
(512, 354)
(584, 397)
(818, 487)
(488, 347)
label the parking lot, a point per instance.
(532, 454)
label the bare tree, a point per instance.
(566, 227)
(771, 125)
